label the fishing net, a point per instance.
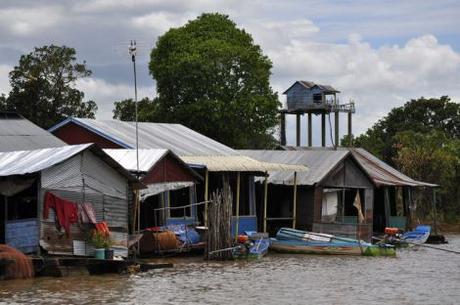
(15, 264)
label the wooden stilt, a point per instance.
(206, 196)
(435, 224)
(238, 187)
(294, 202)
(350, 132)
(283, 129)
(336, 138)
(323, 129)
(387, 206)
(309, 130)
(297, 134)
(265, 201)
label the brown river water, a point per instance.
(415, 276)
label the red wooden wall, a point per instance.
(169, 169)
(74, 134)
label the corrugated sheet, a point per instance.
(318, 162)
(179, 139)
(310, 85)
(32, 161)
(380, 172)
(240, 164)
(18, 133)
(127, 158)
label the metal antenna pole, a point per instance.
(132, 51)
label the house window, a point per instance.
(317, 98)
(180, 198)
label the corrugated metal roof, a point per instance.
(380, 172)
(240, 164)
(309, 85)
(18, 133)
(33, 161)
(127, 158)
(319, 164)
(179, 139)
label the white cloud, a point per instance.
(4, 79)
(159, 21)
(105, 94)
(378, 79)
(26, 21)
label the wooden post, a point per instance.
(5, 199)
(336, 139)
(135, 212)
(294, 202)
(265, 201)
(237, 224)
(206, 196)
(350, 132)
(386, 196)
(283, 129)
(309, 130)
(297, 126)
(435, 225)
(138, 220)
(323, 129)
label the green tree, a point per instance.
(43, 86)
(421, 115)
(3, 102)
(431, 157)
(125, 110)
(212, 78)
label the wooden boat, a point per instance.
(418, 236)
(296, 241)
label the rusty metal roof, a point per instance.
(319, 164)
(310, 85)
(380, 172)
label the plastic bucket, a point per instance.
(99, 253)
(109, 253)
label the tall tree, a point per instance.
(125, 110)
(43, 86)
(212, 78)
(421, 115)
(431, 157)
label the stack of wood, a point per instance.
(219, 225)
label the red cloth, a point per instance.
(66, 211)
(103, 228)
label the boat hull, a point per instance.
(294, 247)
(296, 241)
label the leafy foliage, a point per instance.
(125, 110)
(43, 86)
(421, 115)
(422, 139)
(212, 78)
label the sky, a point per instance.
(379, 54)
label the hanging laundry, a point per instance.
(86, 213)
(66, 211)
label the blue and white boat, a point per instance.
(296, 241)
(418, 236)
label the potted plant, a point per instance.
(100, 241)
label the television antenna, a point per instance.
(132, 49)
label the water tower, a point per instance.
(305, 97)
